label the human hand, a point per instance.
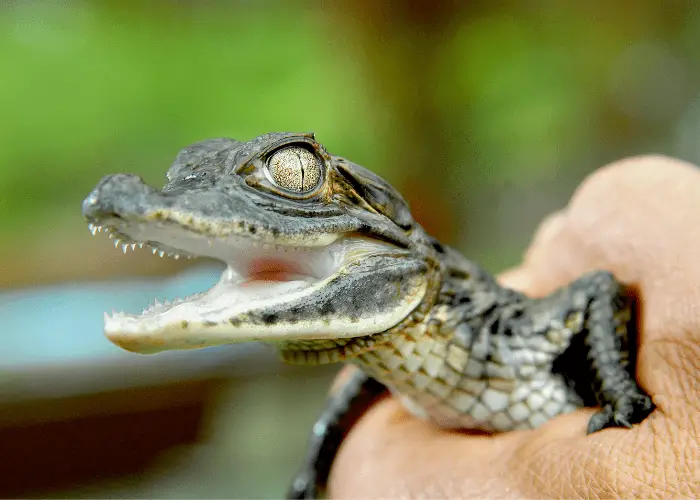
(640, 219)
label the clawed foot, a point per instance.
(625, 412)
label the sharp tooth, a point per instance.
(140, 245)
(93, 228)
(125, 247)
(99, 229)
(133, 246)
(154, 249)
(161, 253)
(106, 317)
(156, 302)
(116, 243)
(176, 256)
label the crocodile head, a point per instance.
(323, 257)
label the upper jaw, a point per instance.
(133, 212)
(125, 204)
(175, 240)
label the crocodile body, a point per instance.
(326, 263)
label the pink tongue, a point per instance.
(266, 269)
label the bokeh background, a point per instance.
(485, 114)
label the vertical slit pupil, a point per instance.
(295, 168)
(301, 167)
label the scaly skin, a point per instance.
(356, 279)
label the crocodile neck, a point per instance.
(423, 363)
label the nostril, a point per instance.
(105, 199)
(90, 204)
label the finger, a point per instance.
(640, 219)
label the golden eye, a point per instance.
(295, 169)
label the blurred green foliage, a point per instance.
(91, 88)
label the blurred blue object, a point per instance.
(49, 329)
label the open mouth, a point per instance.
(268, 292)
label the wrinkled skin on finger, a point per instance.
(640, 219)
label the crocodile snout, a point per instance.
(112, 195)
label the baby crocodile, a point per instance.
(325, 262)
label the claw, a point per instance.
(621, 421)
(600, 420)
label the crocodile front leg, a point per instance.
(600, 362)
(343, 409)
